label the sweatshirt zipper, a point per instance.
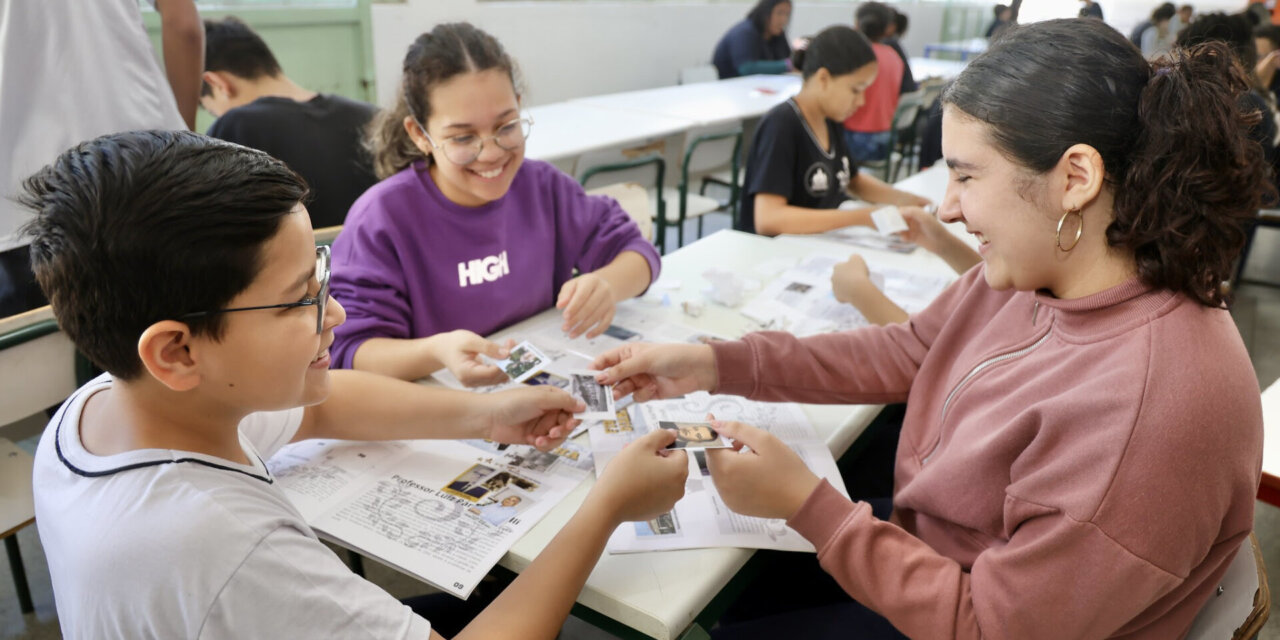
(973, 372)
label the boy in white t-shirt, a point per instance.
(186, 268)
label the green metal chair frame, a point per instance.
(660, 230)
(684, 179)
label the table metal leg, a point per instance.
(19, 574)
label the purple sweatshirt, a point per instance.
(410, 263)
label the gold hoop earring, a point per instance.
(1079, 229)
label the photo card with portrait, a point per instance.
(598, 397)
(524, 362)
(695, 435)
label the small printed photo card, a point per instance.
(524, 362)
(598, 397)
(695, 435)
(888, 220)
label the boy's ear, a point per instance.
(165, 352)
(219, 82)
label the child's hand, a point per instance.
(923, 228)
(588, 302)
(459, 351)
(769, 481)
(657, 370)
(540, 416)
(644, 481)
(850, 279)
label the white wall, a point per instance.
(571, 49)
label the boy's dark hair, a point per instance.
(838, 49)
(1163, 12)
(1183, 194)
(138, 227)
(901, 21)
(759, 14)
(231, 46)
(446, 51)
(872, 19)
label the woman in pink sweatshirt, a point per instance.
(1083, 434)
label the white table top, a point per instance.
(972, 46)
(1271, 426)
(569, 129)
(705, 103)
(661, 593)
(922, 68)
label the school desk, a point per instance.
(963, 48)
(562, 132)
(923, 68)
(705, 104)
(670, 594)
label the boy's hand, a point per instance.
(588, 302)
(644, 481)
(540, 416)
(657, 370)
(769, 481)
(459, 351)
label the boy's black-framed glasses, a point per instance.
(319, 301)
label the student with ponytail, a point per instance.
(799, 169)
(1083, 432)
(464, 235)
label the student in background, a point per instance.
(851, 280)
(187, 268)
(1267, 40)
(893, 36)
(1236, 31)
(867, 129)
(757, 44)
(1159, 36)
(464, 235)
(257, 105)
(1070, 401)
(799, 170)
(1003, 18)
(52, 51)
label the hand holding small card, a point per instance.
(598, 397)
(524, 362)
(695, 435)
(888, 220)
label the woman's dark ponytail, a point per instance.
(1195, 178)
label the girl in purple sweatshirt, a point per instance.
(1082, 441)
(464, 236)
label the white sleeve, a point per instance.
(271, 430)
(292, 586)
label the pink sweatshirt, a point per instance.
(1067, 468)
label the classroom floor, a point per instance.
(1257, 314)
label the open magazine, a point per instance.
(700, 519)
(442, 511)
(800, 300)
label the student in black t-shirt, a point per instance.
(317, 135)
(799, 170)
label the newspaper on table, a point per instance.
(700, 519)
(800, 299)
(444, 511)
